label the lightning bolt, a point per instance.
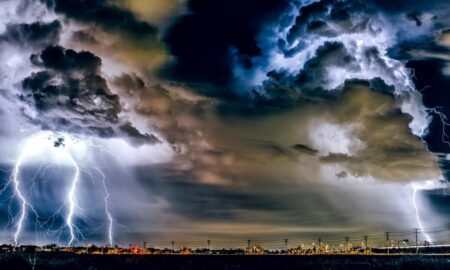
(23, 201)
(444, 121)
(15, 182)
(107, 212)
(415, 188)
(72, 200)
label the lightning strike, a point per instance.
(72, 200)
(23, 201)
(444, 121)
(15, 182)
(416, 188)
(107, 212)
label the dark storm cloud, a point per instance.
(136, 136)
(104, 15)
(108, 27)
(311, 84)
(69, 94)
(416, 17)
(35, 35)
(407, 6)
(276, 151)
(130, 83)
(63, 60)
(342, 174)
(329, 18)
(419, 12)
(314, 73)
(304, 149)
(175, 115)
(209, 40)
(283, 89)
(84, 37)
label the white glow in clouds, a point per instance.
(137, 155)
(331, 138)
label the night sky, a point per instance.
(124, 121)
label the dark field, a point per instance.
(199, 262)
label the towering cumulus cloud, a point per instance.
(220, 118)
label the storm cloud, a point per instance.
(105, 15)
(35, 35)
(213, 36)
(69, 94)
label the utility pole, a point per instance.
(347, 239)
(320, 243)
(387, 240)
(173, 245)
(365, 240)
(209, 246)
(144, 247)
(286, 244)
(416, 232)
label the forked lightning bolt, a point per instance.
(59, 147)
(444, 121)
(24, 204)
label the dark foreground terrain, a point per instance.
(226, 262)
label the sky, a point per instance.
(125, 121)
